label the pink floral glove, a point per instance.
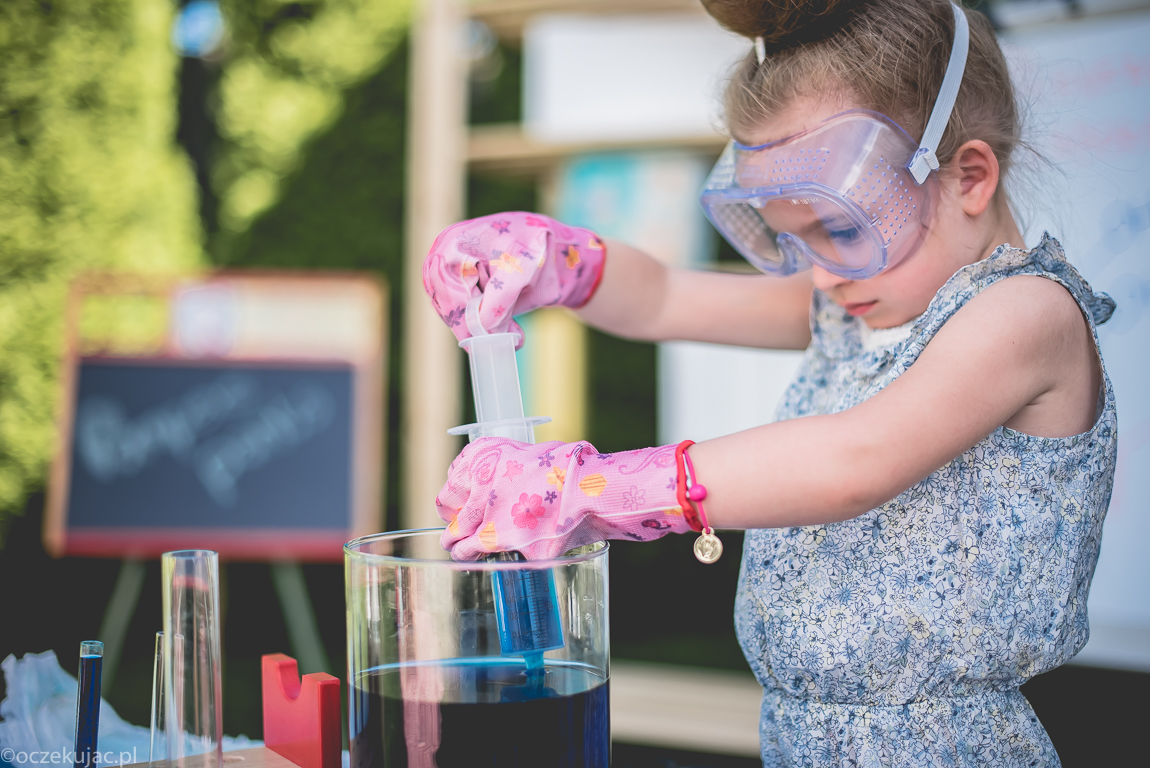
(517, 261)
(544, 499)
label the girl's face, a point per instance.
(901, 293)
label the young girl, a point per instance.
(923, 518)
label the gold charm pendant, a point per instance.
(708, 547)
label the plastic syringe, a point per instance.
(526, 609)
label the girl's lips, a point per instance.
(859, 308)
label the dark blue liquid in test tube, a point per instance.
(88, 703)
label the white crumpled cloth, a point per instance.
(39, 719)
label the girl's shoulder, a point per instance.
(1046, 260)
(1033, 312)
(1021, 293)
(1031, 304)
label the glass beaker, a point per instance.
(430, 685)
(193, 709)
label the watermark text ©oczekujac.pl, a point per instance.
(68, 757)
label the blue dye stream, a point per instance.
(88, 711)
(486, 711)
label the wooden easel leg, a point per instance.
(303, 632)
(121, 606)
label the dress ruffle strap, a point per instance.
(1101, 307)
(1050, 256)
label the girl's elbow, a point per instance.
(848, 506)
(857, 494)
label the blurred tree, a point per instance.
(342, 208)
(282, 85)
(90, 178)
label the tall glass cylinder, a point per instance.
(157, 740)
(437, 678)
(193, 710)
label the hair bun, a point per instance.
(783, 23)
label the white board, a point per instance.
(707, 390)
(602, 78)
(1087, 84)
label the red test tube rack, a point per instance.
(301, 717)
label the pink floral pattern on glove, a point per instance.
(517, 261)
(528, 511)
(542, 500)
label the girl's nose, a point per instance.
(825, 280)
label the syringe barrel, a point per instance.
(495, 386)
(526, 611)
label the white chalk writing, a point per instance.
(280, 424)
(112, 446)
(224, 430)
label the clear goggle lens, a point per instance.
(785, 236)
(836, 196)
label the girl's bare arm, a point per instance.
(1020, 354)
(640, 298)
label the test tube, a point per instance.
(88, 703)
(193, 710)
(157, 742)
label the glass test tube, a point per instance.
(157, 742)
(193, 711)
(88, 703)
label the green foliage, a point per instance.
(90, 178)
(283, 84)
(621, 392)
(496, 84)
(343, 209)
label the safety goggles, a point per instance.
(854, 194)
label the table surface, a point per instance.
(256, 757)
(704, 710)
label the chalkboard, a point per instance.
(235, 447)
(250, 426)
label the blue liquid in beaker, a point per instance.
(488, 711)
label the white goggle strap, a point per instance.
(924, 160)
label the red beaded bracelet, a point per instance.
(708, 547)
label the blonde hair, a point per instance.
(885, 55)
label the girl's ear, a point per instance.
(976, 169)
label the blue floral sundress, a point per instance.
(900, 637)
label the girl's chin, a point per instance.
(879, 319)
